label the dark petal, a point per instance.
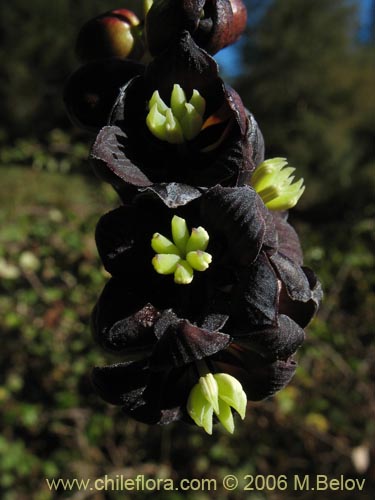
(139, 392)
(115, 238)
(273, 343)
(255, 138)
(228, 18)
(214, 322)
(109, 159)
(91, 91)
(316, 287)
(236, 104)
(123, 236)
(121, 383)
(173, 194)
(186, 64)
(271, 239)
(238, 216)
(259, 378)
(122, 320)
(184, 343)
(292, 277)
(297, 299)
(255, 298)
(288, 241)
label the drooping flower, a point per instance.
(242, 317)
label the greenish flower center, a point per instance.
(184, 254)
(273, 181)
(216, 394)
(180, 122)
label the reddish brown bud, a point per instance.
(113, 34)
(213, 24)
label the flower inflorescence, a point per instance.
(178, 146)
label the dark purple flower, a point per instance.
(242, 316)
(226, 150)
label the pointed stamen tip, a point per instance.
(274, 182)
(182, 120)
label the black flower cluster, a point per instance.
(208, 296)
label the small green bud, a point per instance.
(273, 181)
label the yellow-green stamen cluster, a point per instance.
(180, 122)
(182, 256)
(273, 181)
(216, 394)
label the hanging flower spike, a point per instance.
(217, 394)
(179, 123)
(182, 256)
(273, 181)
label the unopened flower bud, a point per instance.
(113, 34)
(213, 24)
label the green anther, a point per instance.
(199, 260)
(173, 130)
(225, 416)
(198, 102)
(156, 99)
(198, 240)
(273, 181)
(182, 256)
(219, 393)
(210, 390)
(178, 101)
(165, 263)
(200, 410)
(161, 244)
(156, 122)
(180, 122)
(230, 391)
(180, 232)
(184, 273)
(191, 122)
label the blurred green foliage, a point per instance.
(309, 85)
